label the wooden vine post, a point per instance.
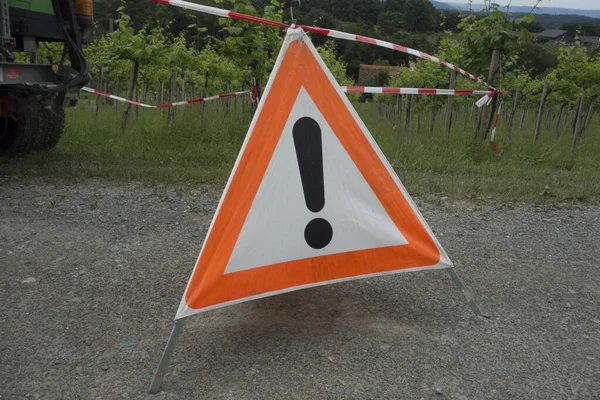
(433, 116)
(135, 67)
(449, 105)
(538, 122)
(486, 119)
(560, 114)
(577, 123)
(100, 99)
(511, 121)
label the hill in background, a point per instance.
(518, 9)
(549, 17)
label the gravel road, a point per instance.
(92, 274)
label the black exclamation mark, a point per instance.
(309, 152)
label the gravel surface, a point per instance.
(92, 274)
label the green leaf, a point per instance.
(233, 30)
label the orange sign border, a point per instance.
(210, 286)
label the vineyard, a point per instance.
(561, 103)
(548, 137)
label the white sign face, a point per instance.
(274, 230)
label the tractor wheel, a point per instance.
(10, 140)
(35, 130)
(54, 122)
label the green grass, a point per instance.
(461, 167)
(202, 143)
(199, 146)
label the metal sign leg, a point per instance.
(166, 356)
(468, 296)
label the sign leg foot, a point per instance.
(166, 356)
(465, 292)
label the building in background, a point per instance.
(554, 36)
(369, 75)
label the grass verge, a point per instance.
(202, 142)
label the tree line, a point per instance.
(413, 23)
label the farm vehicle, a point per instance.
(34, 93)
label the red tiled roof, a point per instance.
(366, 71)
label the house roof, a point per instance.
(389, 68)
(534, 36)
(366, 71)
(589, 39)
(551, 33)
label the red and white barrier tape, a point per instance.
(219, 12)
(486, 99)
(488, 95)
(347, 89)
(493, 133)
(390, 90)
(202, 99)
(179, 103)
(112, 96)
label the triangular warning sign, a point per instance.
(311, 199)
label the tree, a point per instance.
(139, 47)
(483, 43)
(367, 10)
(336, 66)
(585, 29)
(320, 18)
(252, 45)
(419, 16)
(538, 58)
(389, 21)
(533, 26)
(394, 5)
(450, 20)
(577, 78)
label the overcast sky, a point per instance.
(582, 4)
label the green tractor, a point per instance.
(33, 95)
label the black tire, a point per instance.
(36, 130)
(10, 140)
(55, 125)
